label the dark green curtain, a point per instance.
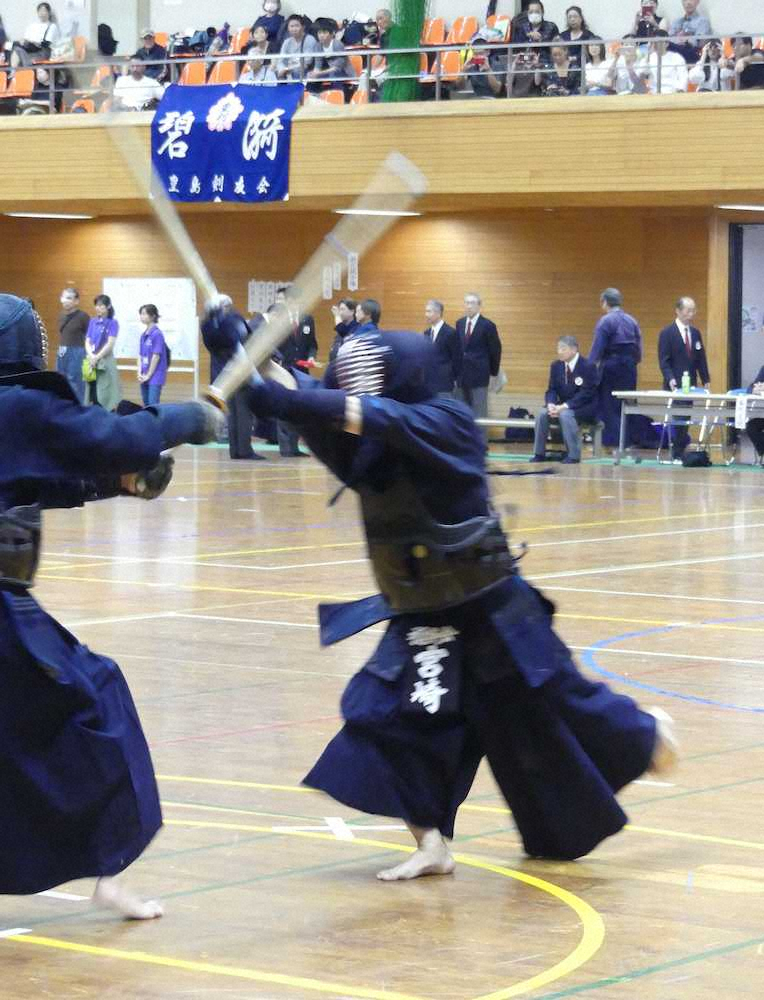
(408, 20)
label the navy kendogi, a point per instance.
(617, 349)
(77, 791)
(469, 665)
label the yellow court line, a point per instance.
(194, 587)
(221, 809)
(467, 807)
(592, 935)
(640, 520)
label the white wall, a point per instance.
(609, 18)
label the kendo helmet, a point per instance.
(23, 340)
(396, 364)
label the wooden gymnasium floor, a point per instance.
(206, 598)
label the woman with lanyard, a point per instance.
(100, 366)
(153, 360)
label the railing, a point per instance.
(438, 75)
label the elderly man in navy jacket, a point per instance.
(448, 349)
(571, 398)
(482, 355)
(680, 350)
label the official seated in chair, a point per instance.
(571, 398)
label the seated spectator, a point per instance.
(624, 71)
(532, 26)
(712, 72)
(690, 28)
(561, 78)
(150, 51)
(600, 70)
(258, 69)
(749, 67)
(577, 31)
(755, 428)
(259, 43)
(647, 21)
(136, 91)
(272, 20)
(290, 66)
(332, 69)
(571, 398)
(379, 32)
(521, 80)
(486, 69)
(661, 62)
(39, 38)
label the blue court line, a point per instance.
(589, 659)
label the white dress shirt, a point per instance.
(435, 330)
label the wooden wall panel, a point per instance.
(539, 273)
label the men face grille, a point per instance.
(361, 366)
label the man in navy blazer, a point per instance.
(448, 349)
(571, 398)
(755, 428)
(482, 355)
(680, 350)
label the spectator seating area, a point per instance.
(446, 68)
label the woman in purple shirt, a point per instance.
(152, 356)
(99, 347)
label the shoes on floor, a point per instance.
(570, 461)
(666, 750)
(537, 458)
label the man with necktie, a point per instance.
(571, 398)
(482, 355)
(680, 350)
(448, 349)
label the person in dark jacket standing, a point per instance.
(345, 324)
(481, 349)
(617, 350)
(448, 348)
(681, 351)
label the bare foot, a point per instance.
(666, 752)
(431, 858)
(110, 893)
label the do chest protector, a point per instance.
(19, 545)
(421, 565)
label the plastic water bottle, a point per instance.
(685, 381)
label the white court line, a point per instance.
(14, 931)
(650, 534)
(118, 620)
(69, 897)
(628, 567)
(308, 565)
(339, 828)
(657, 784)
(670, 597)
(670, 656)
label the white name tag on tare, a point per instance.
(741, 413)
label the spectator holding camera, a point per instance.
(662, 70)
(624, 71)
(647, 21)
(561, 78)
(486, 69)
(712, 72)
(521, 79)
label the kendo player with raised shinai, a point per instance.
(469, 664)
(78, 797)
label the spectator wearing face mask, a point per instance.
(533, 27)
(273, 21)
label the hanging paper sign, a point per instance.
(352, 272)
(741, 412)
(223, 143)
(337, 275)
(328, 288)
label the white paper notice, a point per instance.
(352, 272)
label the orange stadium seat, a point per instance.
(332, 96)
(86, 104)
(3, 82)
(100, 75)
(357, 63)
(21, 85)
(162, 38)
(434, 31)
(450, 67)
(239, 40)
(80, 48)
(193, 74)
(462, 30)
(224, 71)
(361, 96)
(501, 22)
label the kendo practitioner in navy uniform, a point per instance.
(617, 349)
(78, 796)
(469, 664)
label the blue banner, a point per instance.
(223, 143)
